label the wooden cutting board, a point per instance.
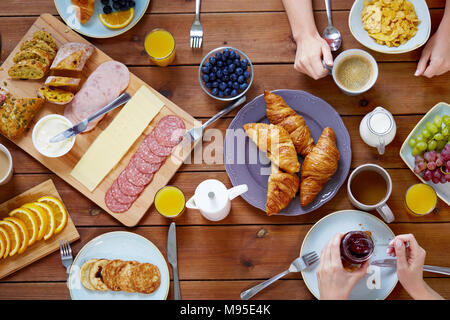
(63, 166)
(40, 248)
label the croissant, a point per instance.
(278, 112)
(282, 188)
(83, 9)
(319, 166)
(276, 142)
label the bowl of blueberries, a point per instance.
(226, 73)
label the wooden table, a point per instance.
(219, 260)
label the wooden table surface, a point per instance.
(219, 260)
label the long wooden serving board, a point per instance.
(40, 248)
(63, 166)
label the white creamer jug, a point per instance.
(213, 199)
(378, 129)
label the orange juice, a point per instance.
(170, 202)
(160, 46)
(420, 199)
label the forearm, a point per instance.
(424, 292)
(301, 18)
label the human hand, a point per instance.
(311, 49)
(336, 283)
(437, 52)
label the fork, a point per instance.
(297, 265)
(196, 28)
(66, 254)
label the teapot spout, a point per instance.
(191, 203)
(237, 191)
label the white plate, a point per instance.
(118, 245)
(442, 190)
(423, 29)
(94, 27)
(344, 221)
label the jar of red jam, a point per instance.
(356, 247)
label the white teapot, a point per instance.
(213, 199)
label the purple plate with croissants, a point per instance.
(291, 148)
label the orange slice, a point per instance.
(23, 232)
(13, 234)
(59, 212)
(29, 218)
(41, 217)
(2, 245)
(7, 242)
(118, 19)
(51, 226)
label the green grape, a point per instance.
(422, 146)
(420, 138)
(445, 131)
(446, 119)
(438, 137)
(412, 142)
(432, 144)
(431, 127)
(440, 145)
(438, 121)
(426, 134)
(415, 152)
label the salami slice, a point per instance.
(114, 205)
(169, 131)
(145, 153)
(138, 178)
(120, 196)
(155, 147)
(126, 186)
(144, 166)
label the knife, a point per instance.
(80, 127)
(392, 263)
(172, 256)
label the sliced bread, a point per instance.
(33, 53)
(28, 69)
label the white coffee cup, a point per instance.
(5, 179)
(354, 52)
(381, 207)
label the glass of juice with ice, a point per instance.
(170, 202)
(160, 46)
(420, 199)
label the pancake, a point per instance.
(146, 278)
(95, 275)
(84, 274)
(110, 274)
(124, 276)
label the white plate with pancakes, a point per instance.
(134, 251)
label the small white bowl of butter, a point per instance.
(48, 127)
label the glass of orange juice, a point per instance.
(170, 202)
(160, 46)
(420, 199)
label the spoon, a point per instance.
(331, 34)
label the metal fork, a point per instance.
(66, 254)
(196, 28)
(297, 265)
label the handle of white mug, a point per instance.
(381, 145)
(386, 213)
(330, 69)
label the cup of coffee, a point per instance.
(6, 167)
(369, 187)
(354, 71)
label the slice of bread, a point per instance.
(45, 36)
(28, 69)
(33, 53)
(55, 95)
(67, 82)
(72, 56)
(41, 44)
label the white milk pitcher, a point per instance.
(213, 199)
(378, 128)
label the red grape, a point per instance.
(431, 166)
(427, 175)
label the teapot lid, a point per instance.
(211, 196)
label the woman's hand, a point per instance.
(437, 52)
(335, 283)
(311, 49)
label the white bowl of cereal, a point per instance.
(395, 40)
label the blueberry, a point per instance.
(244, 63)
(221, 94)
(214, 91)
(105, 2)
(225, 70)
(208, 85)
(239, 71)
(227, 91)
(212, 76)
(219, 63)
(219, 74)
(214, 69)
(245, 68)
(207, 65)
(123, 2)
(232, 54)
(226, 52)
(225, 78)
(222, 86)
(237, 62)
(124, 7)
(243, 86)
(131, 4)
(212, 60)
(231, 67)
(116, 5)
(219, 55)
(215, 84)
(241, 79)
(107, 9)
(234, 93)
(247, 74)
(235, 85)
(237, 56)
(205, 78)
(230, 84)
(205, 69)
(229, 61)
(233, 77)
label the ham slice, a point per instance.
(105, 84)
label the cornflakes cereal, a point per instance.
(390, 22)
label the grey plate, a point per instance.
(243, 168)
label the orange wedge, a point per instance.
(51, 226)
(13, 234)
(59, 212)
(30, 221)
(41, 217)
(7, 242)
(118, 19)
(23, 232)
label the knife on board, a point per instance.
(172, 257)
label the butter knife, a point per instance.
(392, 263)
(80, 127)
(172, 256)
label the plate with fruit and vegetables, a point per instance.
(426, 151)
(101, 18)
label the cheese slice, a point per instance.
(115, 141)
